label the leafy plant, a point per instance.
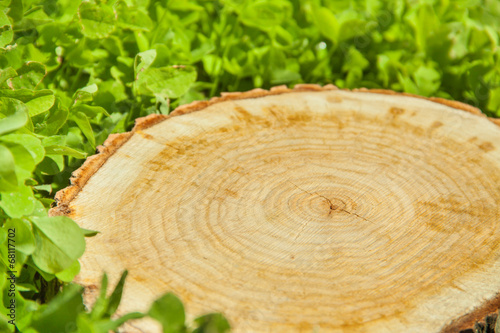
(66, 313)
(72, 72)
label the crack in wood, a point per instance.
(332, 206)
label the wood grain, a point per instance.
(300, 210)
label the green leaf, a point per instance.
(132, 18)
(101, 304)
(213, 323)
(3, 236)
(427, 80)
(408, 85)
(37, 101)
(54, 140)
(96, 21)
(327, 23)
(169, 311)
(16, 265)
(29, 142)
(16, 115)
(494, 101)
(425, 23)
(112, 325)
(89, 233)
(6, 74)
(52, 164)
(40, 104)
(6, 33)
(212, 64)
(354, 60)
(141, 40)
(264, 15)
(8, 178)
(16, 10)
(29, 76)
(69, 273)
(172, 82)
(54, 120)
(24, 239)
(45, 187)
(143, 61)
(85, 324)
(88, 110)
(352, 25)
(59, 242)
(85, 94)
(84, 124)
(116, 295)
(283, 76)
(25, 163)
(60, 314)
(64, 150)
(33, 18)
(18, 204)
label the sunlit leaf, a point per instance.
(6, 32)
(24, 240)
(96, 21)
(60, 314)
(69, 273)
(31, 143)
(169, 81)
(29, 76)
(327, 23)
(64, 150)
(214, 322)
(169, 311)
(37, 101)
(59, 242)
(85, 94)
(133, 18)
(8, 178)
(84, 124)
(13, 115)
(18, 203)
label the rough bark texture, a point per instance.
(295, 210)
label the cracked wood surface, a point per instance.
(300, 210)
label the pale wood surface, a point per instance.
(329, 211)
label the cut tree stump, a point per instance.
(300, 210)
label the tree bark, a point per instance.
(298, 210)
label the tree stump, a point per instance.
(300, 210)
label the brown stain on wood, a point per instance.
(277, 113)
(487, 146)
(449, 215)
(334, 99)
(245, 117)
(395, 111)
(231, 193)
(436, 124)
(281, 116)
(473, 139)
(144, 135)
(302, 117)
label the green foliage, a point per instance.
(72, 72)
(170, 312)
(66, 313)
